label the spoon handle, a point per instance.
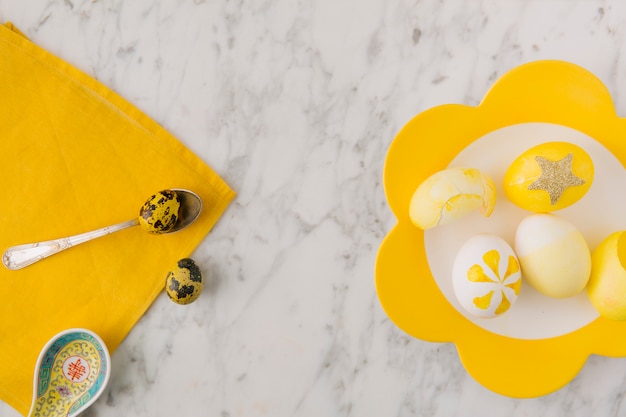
(18, 257)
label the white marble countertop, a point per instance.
(294, 104)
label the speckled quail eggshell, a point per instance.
(553, 254)
(184, 282)
(159, 214)
(486, 276)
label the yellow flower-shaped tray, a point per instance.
(541, 344)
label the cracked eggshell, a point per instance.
(450, 194)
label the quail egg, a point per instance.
(159, 213)
(183, 283)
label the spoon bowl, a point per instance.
(72, 371)
(20, 256)
(190, 209)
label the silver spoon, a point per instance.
(20, 256)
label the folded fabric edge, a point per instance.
(15, 29)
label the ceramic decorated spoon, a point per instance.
(72, 371)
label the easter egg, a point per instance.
(184, 282)
(159, 213)
(549, 177)
(451, 194)
(607, 284)
(486, 276)
(553, 254)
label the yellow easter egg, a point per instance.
(553, 254)
(549, 177)
(450, 194)
(607, 284)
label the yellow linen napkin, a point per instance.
(75, 156)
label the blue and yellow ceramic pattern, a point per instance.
(71, 373)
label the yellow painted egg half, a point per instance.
(450, 194)
(486, 276)
(549, 177)
(553, 254)
(184, 282)
(159, 214)
(607, 284)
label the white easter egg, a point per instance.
(553, 254)
(486, 276)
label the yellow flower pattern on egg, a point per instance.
(486, 276)
(477, 274)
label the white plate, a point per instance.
(599, 213)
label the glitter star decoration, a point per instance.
(556, 177)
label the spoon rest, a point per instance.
(72, 371)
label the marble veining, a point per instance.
(294, 104)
